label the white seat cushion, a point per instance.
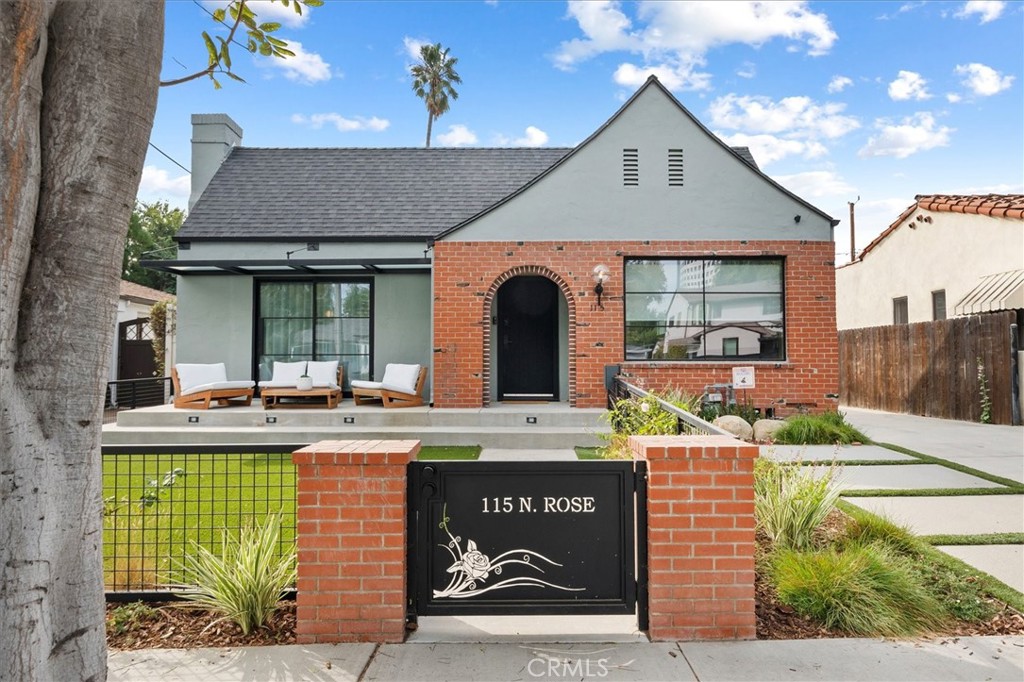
(323, 373)
(400, 378)
(375, 385)
(191, 375)
(218, 386)
(288, 372)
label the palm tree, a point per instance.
(432, 81)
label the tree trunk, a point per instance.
(78, 90)
(430, 124)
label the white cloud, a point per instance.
(157, 182)
(816, 184)
(674, 37)
(953, 98)
(747, 70)
(839, 83)
(458, 135)
(795, 116)
(412, 47)
(913, 134)
(909, 85)
(270, 12)
(768, 149)
(344, 125)
(988, 10)
(983, 80)
(672, 77)
(305, 67)
(532, 137)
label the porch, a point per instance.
(503, 425)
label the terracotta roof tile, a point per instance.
(993, 205)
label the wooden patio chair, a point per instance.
(198, 385)
(402, 386)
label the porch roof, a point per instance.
(265, 268)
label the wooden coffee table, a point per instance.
(272, 397)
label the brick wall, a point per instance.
(700, 516)
(467, 276)
(352, 540)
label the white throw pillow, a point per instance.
(288, 372)
(323, 373)
(401, 378)
(190, 375)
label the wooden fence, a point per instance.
(929, 368)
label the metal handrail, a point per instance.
(691, 420)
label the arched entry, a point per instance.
(526, 339)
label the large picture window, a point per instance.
(705, 309)
(315, 320)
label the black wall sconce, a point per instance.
(601, 275)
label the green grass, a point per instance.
(975, 539)
(460, 452)
(827, 428)
(929, 492)
(859, 462)
(589, 453)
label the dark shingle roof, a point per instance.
(357, 193)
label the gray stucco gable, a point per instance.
(653, 171)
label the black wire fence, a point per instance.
(160, 501)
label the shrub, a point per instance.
(128, 617)
(870, 529)
(245, 582)
(791, 501)
(828, 428)
(862, 590)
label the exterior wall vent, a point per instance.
(630, 167)
(675, 167)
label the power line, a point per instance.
(168, 157)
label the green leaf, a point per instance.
(251, 46)
(270, 26)
(234, 77)
(216, 83)
(276, 41)
(218, 15)
(313, 3)
(266, 50)
(283, 52)
(210, 48)
(225, 55)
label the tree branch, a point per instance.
(212, 68)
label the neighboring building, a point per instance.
(132, 355)
(480, 263)
(944, 256)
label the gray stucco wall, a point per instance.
(215, 321)
(585, 198)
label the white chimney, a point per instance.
(213, 138)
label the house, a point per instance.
(944, 256)
(514, 274)
(132, 356)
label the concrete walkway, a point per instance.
(996, 450)
(992, 448)
(967, 658)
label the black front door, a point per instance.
(527, 339)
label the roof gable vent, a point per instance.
(630, 167)
(675, 167)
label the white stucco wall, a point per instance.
(585, 198)
(951, 253)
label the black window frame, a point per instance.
(257, 338)
(738, 359)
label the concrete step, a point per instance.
(520, 437)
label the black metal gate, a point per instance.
(508, 538)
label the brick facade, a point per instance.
(351, 518)
(467, 276)
(700, 515)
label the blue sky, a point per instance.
(881, 100)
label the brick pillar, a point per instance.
(700, 513)
(351, 540)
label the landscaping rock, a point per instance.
(764, 429)
(737, 426)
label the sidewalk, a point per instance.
(968, 659)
